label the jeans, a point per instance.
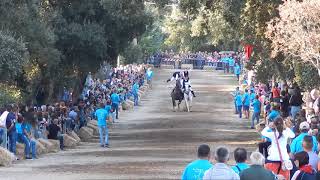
(23, 139)
(3, 136)
(115, 106)
(60, 137)
(255, 116)
(294, 111)
(239, 111)
(136, 99)
(235, 107)
(12, 141)
(33, 149)
(103, 133)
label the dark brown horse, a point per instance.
(177, 95)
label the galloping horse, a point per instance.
(177, 95)
(188, 97)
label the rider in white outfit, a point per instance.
(186, 84)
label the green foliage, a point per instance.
(13, 57)
(9, 94)
(133, 54)
(307, 76)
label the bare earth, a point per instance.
(151, 142)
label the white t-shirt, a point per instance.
(3, 119)
(283, 141)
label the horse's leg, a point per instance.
(174, 104)
(179, 105)
(187, 103)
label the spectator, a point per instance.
(54, 132)
(221, 169)
(11, 129)
(135, 90)
(296, 145)
(275, 93)
(256, 111)
(27, 129)
(295, 102)
(149, 77)
(3, 129)
(275, 112)
(284, 101)
(115, 102)
(196, 169)
(240, 156)
(305, 172)
(102, 116)
(313, 157)
(234, 94)
(256, 171)
(239, 104)
(73, 116)
(246, 103)
(279, 136)
(22, 138)
(265, 142)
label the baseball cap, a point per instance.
(304, 125)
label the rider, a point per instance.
(187, 83)
(175, 76)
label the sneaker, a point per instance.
(107, 146)
(29, 158)
(252, 127)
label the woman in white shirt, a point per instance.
(278, 132)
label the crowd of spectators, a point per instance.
(24, 124)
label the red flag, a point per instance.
(248, 50)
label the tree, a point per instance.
(296, 32)
(13, 57)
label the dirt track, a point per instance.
(152, 141)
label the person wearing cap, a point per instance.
(296, 145)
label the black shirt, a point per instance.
(53, 131)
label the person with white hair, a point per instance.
(256, 170)
(221, 170)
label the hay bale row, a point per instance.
(86, 133)
(94, 128)
(75, 136)
(6, 157)
(69, 141)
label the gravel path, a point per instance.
(151, 142)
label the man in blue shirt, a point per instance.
(234, 94)
(256, 111)
(246, 103)
(135, 90)
(101, 115)
(240, 156)
(296, 145)
(149, 77)
(239, 104)
(237, 71)
(231, 64)
(195, 170)
(275, 112)
(115, 99)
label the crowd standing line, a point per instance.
(288, 121)
(100, 100)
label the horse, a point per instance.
(177, 95)
(188, 97)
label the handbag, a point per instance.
(285, 165)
